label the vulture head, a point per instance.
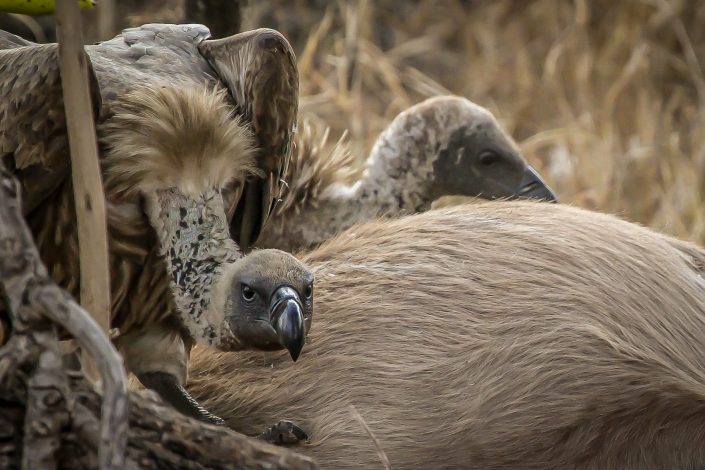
(450, 146)
(443, 146)
(270, 301)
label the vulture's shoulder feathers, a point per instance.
(257, 69)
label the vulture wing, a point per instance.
(259, 69)
(33, 141)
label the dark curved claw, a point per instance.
(284, 433)
(168, 387)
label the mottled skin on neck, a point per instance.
(195, 242)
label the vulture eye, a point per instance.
(248, 293)
(308, 292)
(489, 158)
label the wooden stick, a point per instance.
(87, 181)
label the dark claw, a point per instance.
(284, 433)
(168, 387)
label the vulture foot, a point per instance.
(284, 433)
(172, 392)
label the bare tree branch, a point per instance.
(30, 292)
(47, 413)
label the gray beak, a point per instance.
(287, 319)
(533, 187)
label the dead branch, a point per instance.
(32, 297)
(159, 437)
(50, 418)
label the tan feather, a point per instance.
(314, 168)
(186, 137)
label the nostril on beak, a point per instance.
(528, 188)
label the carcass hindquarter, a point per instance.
(495, 335)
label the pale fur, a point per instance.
(492, 336)
(186, 137)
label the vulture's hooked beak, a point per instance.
(532, 186)
(287, 319)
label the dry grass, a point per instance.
(606, 98)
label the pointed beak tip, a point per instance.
(294, 345)
(288, 322)
(294, 354)
(532, 186)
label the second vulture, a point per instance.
(443, 146)
(195, 138)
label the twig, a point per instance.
(113, 429)
(107, 14)
(380, 452)
(87, 181)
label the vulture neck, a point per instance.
(387, 188)
(194, 239)
(396, 179)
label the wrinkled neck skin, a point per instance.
(396, 181)
(399, 170)
(195, 241)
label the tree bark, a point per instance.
(158, 437)
(52, 418)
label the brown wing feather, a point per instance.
(259, 68)
(33, 140)
(33, 137)
(34, 145)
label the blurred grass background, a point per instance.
(605, 98)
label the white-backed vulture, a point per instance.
(493, 335)
(195, 137)
(443, 146)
